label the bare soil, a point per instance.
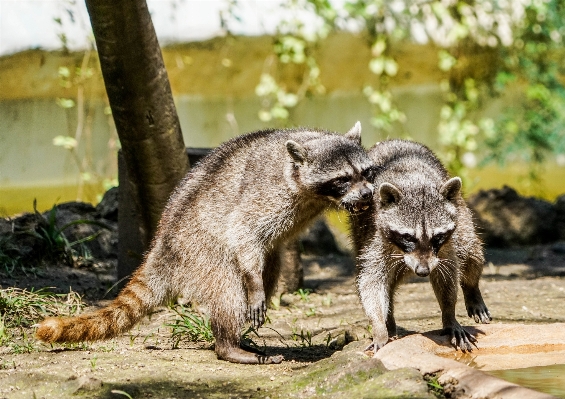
(523, 285)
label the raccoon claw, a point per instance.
(256, 314)
(373, 347)
(480, 314)
(460, 338)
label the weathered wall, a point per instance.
(214, 87)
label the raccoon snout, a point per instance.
(420, 266)
(422, 271)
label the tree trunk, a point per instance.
(142, 106)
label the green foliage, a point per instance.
(56, 244)
(21, 309)
(304, 294)
(434, 386)
(484, 49)
(304, 338)
(77, 78)
(10, 258)
(536, 128)
(123, 393)
(190, 325)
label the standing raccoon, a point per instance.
(418, 223)
(218, 238)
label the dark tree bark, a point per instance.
(142, 106)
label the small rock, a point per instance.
(86, 383)
(108, 206)
(343, 339)
(504, 218)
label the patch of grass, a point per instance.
(304, 294)
(56, 244)
(123, 393)
(190, 325)
(21, 309)
(311, 312)
(434, 386)
(9, 255)
(304, 338)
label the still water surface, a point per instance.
(548, 379)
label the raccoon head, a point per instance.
(336, 168)
(419, 223)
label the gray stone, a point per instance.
(108, 206)
(504, 218)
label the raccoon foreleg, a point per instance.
(376, 300)
(256, 299)
(445, 289)
(252, 265)
(476, 308)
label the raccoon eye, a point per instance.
(369, 174)
(342, 180)
(439, 239)
(408, 238)
(406, 242)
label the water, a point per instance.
(548, 379)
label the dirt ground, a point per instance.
(525, 285)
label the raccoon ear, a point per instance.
(389, 194)
(354, 133)
(451, 188)
(296, 151)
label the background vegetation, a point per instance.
(511, 49)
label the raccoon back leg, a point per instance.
(444, 283)
(470, 275)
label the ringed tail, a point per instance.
(135, 300)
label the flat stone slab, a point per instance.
(500, 346)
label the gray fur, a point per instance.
(218, 240)
(418, 205)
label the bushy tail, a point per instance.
(135, 300)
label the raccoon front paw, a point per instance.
(460, 338)
(256, 313)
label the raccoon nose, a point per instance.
(422, 271)
(365, 193)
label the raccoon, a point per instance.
(218, 239)
(417, 223)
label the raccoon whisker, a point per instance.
(447, 260)
(442, 272)
(395, 261)
(392, 265)
(400, 271)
